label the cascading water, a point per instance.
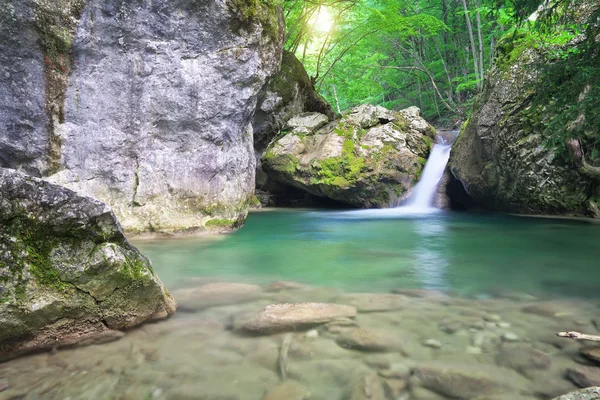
(423, 194)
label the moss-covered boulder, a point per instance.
(369, 158)
(67, 273)
(503, 156)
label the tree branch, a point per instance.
(579, 336)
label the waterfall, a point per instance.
(423, 194)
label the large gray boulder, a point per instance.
(371, 157)
(502, 156)
(67, 273)
(144, 105)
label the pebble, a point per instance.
(509, 337)
(435, 344)
(503, 325)
(473, 350)
(491, 325)
(313, 333)
(491, 318)
(478, 340)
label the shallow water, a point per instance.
(492, 292)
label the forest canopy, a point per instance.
(429, 53)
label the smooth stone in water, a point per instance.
(286, 317)
(545, 310)
(584, 376)
(451, 326)
(491, 318)
(435, 344)
(455, 382)
(373, 302)
(367, 340)
(217, 294)
(369, 387)
(421, 293)
(509, 337)
(503, 325)
(395, 388)
(278, 286)
(473, 350)
(289, 390)
(592, 353)
(313, 333)
(522, 358)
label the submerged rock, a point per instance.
(455, 382)
(145, 106)
(592, 353)
(288, 390)
(67, 273)
(371, 157)
(523, 358)
(217, 294)
(289, 317)
(584, 376)
(368, 387)
(368, 340)
(373, 302)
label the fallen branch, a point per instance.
(579, 336)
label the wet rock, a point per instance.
(396, 371)
(367, 340)
(473, 350)
(546, 310)
(289, 317)
(456, 382)
(451, 326)
(284, 285)
(491, 318)
(351, 160)
(420, 393)
(289, 390)
(434, 344)
(584, 376)
(592, 353)
(503, 325)
(369, 387)
(522, 358)
(372, 302)
(69, 274)
(509, 337)
(394, 388)
(590, 393)
(378, 361)
(217, 294)
(421, 293)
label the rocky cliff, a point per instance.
(67, 273)
(371, 157)
(144, 105)
(503, 156)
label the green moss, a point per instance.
(511, 47)
(344, 130)
(344, 170)
(263, 12)
(282, 163)
(220, 223)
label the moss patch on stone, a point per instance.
(220, 223)
(263, 12)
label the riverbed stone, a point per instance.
(69, 274)
(217, 294)
(368, 340)
(584, 376)
(523, 358)
(590, 393)
(546, 310)
(591, 353)
(433, 343)
(368, 387)
(289, 317)
(421, 293)
(456, 382)
(373, 302)
(279, 286)
(288, 390)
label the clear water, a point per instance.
(380, 250)
(498, 288)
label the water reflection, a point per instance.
(431, 254)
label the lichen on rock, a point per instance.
(370, 157)
(67, 273)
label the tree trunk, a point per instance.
(479, 37)
(337, 101)
(472, 40)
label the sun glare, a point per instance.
(322, 20)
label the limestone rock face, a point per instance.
(590, 393)
(501, 156)
(369, 158)
(146, 106)
(67, 273)
(289, 93)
